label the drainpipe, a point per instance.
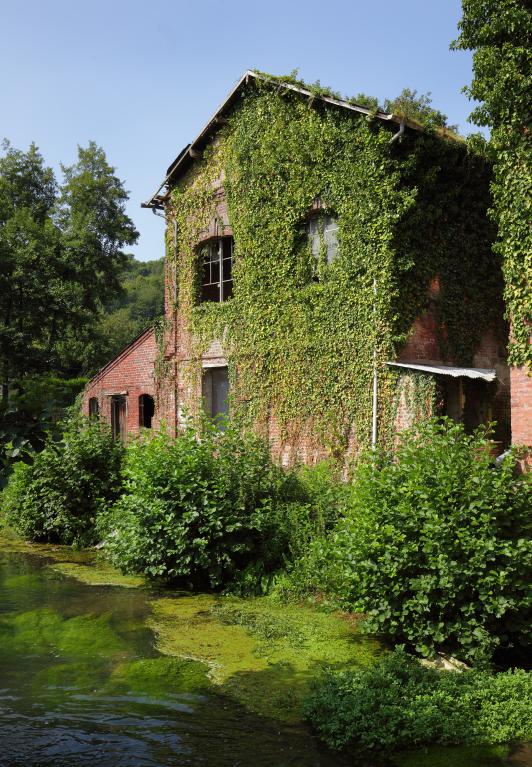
(399, 132)
(375, 380)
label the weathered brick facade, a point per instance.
(521, 383)
(178, 393)
(129, 375)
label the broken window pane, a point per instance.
(217, 269)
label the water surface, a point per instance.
(81, 683)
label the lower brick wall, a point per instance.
(521, 394)
(130, 374)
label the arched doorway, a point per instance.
(146, 410)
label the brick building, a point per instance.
(128, 393)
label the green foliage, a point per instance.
(304, 526)
(399, 704)
(131, 310)
(435, 547)
(27, 416)
(418, 109)
(299, 334)
(56, 498)
(195, 511)
(499, 32)
(30, 261)
(60, 257)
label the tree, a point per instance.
(418, 108)
(94, 224)
(499, 32)
(29, 261)
(61, 258)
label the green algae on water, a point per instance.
(46, 630)
(98, 574)
(74, 676)
(263, 654)
(159, 676)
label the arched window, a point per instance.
(93, 407)
(216, 269)
(146, 410)
(322, 231)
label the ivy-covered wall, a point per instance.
(299, 334)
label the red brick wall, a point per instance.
(521, 389)
(132, 374)
(179, 392)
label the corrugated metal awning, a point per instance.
(486, 374)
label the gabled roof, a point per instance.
(194, 150)
(132, 345)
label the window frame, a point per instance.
(207, 394)
(326, 222)
(215, 246)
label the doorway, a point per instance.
(118, 417)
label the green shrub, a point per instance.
(32, 411)
(435, 548)
(399, 704)
(198, 511)
(305, 525)
(56, 499)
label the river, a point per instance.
(84, 680)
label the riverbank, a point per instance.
(253, 654)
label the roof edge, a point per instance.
(157, 200)
(120, 356)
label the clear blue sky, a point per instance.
(142, 78)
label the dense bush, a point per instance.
(304, 527)
(435, 545)
(400, 704)
(198, 511)
(56, 499)
(34, 408)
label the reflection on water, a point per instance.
(81, 683)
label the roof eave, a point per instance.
(192, 150)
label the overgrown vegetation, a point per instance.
(499, 32)
(29, 415)
(197, 511)
(398, 704)
(301, 332)
(433, 547)
(56, 499)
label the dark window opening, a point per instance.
(93, 407)
(215, 391)
(146, 410)
(466, 401)
(322, 232)
(216, 261)
(118, 417)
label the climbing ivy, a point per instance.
(499, 32)
(300, 335)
